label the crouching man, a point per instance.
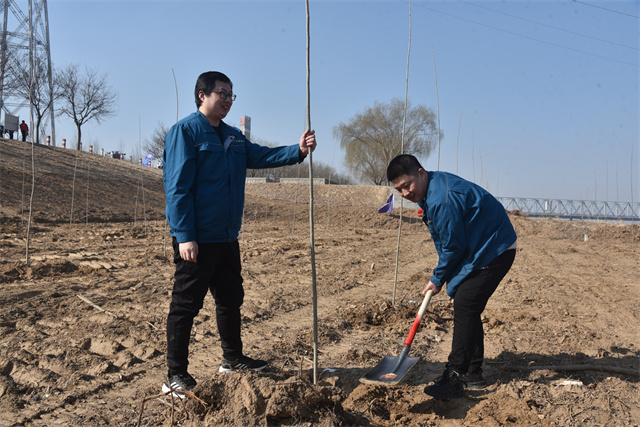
(476, 246)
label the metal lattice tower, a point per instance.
(30, 33)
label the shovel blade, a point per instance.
(387, 372)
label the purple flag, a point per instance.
(387, 207)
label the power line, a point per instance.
(527, 37)
(608, 10)
(549, 26)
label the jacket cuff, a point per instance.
(184, 236)
(301, 156)
(436, 281)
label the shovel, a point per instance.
(392, 368)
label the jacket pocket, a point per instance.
(238, 154)
(210, 161)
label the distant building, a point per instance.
(245, 126)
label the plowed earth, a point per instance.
(82, 325)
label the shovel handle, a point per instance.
(416, 323)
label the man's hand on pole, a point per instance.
(308, 141)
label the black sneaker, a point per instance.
(242, 363)
(177, 382)
(474, 381)
(448, 386)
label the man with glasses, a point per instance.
(205, 164)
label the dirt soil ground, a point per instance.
(82, 325)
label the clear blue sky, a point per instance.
(547, 90)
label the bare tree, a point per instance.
(301, 170)
(320, 170)
(263, 173)
(155, 143)
(37, 91)
(85, 97)
(372, 138)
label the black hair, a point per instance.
(207, 82)
(404, 164)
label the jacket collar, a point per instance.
(206, 125)
(423, 203)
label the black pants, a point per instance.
(218, 271)
(467, 350)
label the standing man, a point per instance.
(24, 129)
(476, 246)
(205, 164)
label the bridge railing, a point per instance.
(573, 209)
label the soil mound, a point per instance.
(270, 399)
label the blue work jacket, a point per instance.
(204, 177)
(469, 227)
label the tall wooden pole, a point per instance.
(404, 120)
(311, 225)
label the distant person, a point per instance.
(205, 165)
(10, 134)
(476, 246)
(24, 129)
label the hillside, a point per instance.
(106, 189)
(112, 190)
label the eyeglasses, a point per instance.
(225, 95)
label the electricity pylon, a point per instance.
(31, 33)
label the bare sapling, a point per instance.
(473, 155)
(135, 204)
(1, 183)
(404, 122)
(242, 229)
(144, 205)
(618, 202)
(329, 192)
(33, 186)
(33, 175)
(311, 223)
(458, 141)
(166, 222)
(24, 171)
(295, 203)
(595, 197)
(144, 202)
(606, 200)
(355, 212)
(73, 190)
(87, 207)
(631, 175)
(437, 99)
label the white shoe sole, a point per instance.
(224, 370)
